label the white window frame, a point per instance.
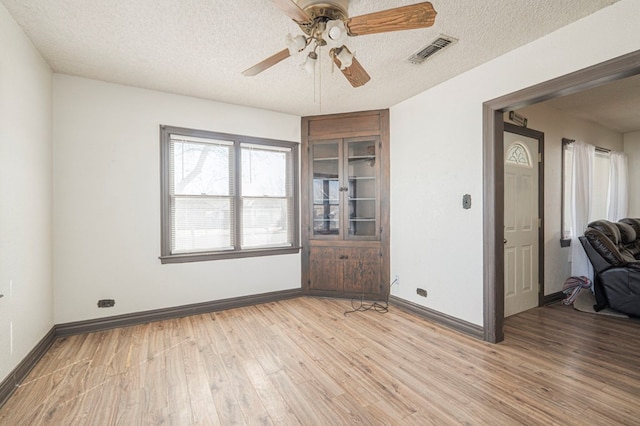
(235, 251)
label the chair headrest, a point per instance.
(635, 223)
(607, 228)
(604, 246)
(627, 233)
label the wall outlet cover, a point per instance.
(466, 201)
(106, 303)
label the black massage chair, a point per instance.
(614, 252)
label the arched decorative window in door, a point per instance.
(518, 155)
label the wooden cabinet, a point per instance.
(345, 269)
(345, 209)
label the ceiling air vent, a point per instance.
(431, 49)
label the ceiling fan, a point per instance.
(326, 23)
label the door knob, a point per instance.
(505, 241)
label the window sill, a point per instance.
(203, 257)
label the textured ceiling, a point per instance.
(200, 47)
(615, 106)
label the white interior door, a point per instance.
(520, 223)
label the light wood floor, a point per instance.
(302, 361)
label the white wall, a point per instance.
(632, 148)
(556, 125)
(107, 202)
(436, 157)
(26, 310)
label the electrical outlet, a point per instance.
(106, 303)
(421, 292)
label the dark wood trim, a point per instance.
(493, 218)
(564, 242)
(342, 125)
(191, 257)
(605, 72)
(305, 202)
(493, 171)
(385, 207)
(541, 239)
(448, 321)
(539, 136)
(553, 298)
(13, 380)
(135, 318)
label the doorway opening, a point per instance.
(493, 170)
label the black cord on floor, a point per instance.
(381, 306)
(358, 305)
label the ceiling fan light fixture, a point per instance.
(296, 44)
(345, 57)
(335, 33)
(310, 63)
(327, 23)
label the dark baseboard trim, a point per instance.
(553, 298)
(13, 380)
(448, 321)
(136, 318)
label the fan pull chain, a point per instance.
(315, 83)
(320, 81)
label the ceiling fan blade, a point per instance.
(410, 17)
(267, 63)
(355, 73)
(292, 10)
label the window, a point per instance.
(598, 201)
(226, 196)
(518, 155)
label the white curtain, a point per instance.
(618, 194)
(581, 185)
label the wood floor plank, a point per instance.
(303, 361)
(220, 384)
(201, 404)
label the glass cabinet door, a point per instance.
(326, 190)
(361, 169)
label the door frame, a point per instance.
(493, 170)
(539, 136)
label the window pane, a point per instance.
(202, 168)
(264, 172)
(326, 210)
(326, 189)
(266, 222)
(202, 224)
